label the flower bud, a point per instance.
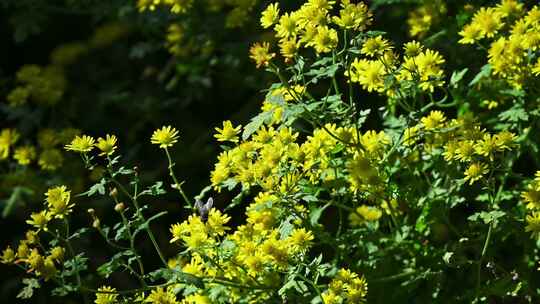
(113, 192)
(96, 223)
(119, 207)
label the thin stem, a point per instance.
(132, 246)
(138, 212)
(177, 185)
(313, 285)
(479, 267)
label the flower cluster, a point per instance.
(46, 85)
(422, 18)
(46, 154)
(254, 254)
(512, 34)
(461, 141)
(176, 6)
(30, 253)
(85, 144)
(346, 287)
(531, 198)
(43, 85)
(382, 64)
(311, 26)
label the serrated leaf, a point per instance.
(28, 290)
(96, 188)
(457, 76)
(256, 123)
(154, 190)
(484, 72)
(488, 216)
(316, 214)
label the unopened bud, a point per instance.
(96, 223)
(91, 211)
(119, 207)
(113, 192)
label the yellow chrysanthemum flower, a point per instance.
(228, 132)
(470, 34)
(533, 224)
(162, 296)
(287, 26)
(260, 53)
(369, 73)
(58, 201)
(81, 144)
(434, 120)
(300, 239)
(107, 145)
(165, 137)
(40, 220)
(50, 159)
(412, 48)
(325, 40)
(475, 172)
(270, 15)
(364, 214)
(8, 256)
(25, 155)
(375, 46)
(106, 295)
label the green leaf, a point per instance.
(114, 263)
(256, 123)
(488, 217)
(146, 224)
(515, 114)
(175, 275)
(484, 72)
(96, 188)
(28, 290)
(79, 233)
(64, 290)
(286, 227)
(457, 76)
(74, 265)
(316, 214)
(447, 257)
(154, 190)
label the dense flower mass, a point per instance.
(373, 159)
(512, 34)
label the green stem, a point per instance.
(132, 247)
(139, 214)
(177, 185)
(313, 285)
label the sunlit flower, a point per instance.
(165, 137)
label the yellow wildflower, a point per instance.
(81, 144)
(228, 132)
(39, 220)
(106, 295)
(24, 155)
(270, 15)
(165, 137)
(107, 145)
(475, 172)
(260, 53)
